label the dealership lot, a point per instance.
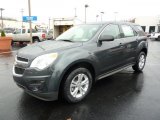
(123, 96)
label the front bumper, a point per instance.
(43, 96)
(36, 84)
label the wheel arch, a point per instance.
(143, 46)
(145, 50)
(35, 37)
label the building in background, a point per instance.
(60, 25)
(149, 24)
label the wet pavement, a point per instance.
(123, 96)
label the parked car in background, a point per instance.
(9, 31)
(155, 35)
(23, 35)
(148, 34)
(68, 66)
(49, 33)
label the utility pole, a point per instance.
(1, 9)
(22, 10)
(85, 13)
(30, 23)
(102, 16)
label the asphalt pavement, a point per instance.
(123, 96)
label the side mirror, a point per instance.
(106, 38)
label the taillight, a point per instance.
(43, 36)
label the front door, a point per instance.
(110, 53)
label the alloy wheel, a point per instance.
(142, 61)
(79, 85)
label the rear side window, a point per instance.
(128, 31)
(112, 30)
(33, 31)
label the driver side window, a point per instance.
(112, 30)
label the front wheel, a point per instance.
(77, 85)
(140, 63)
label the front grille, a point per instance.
(22, 59)
(19, 70)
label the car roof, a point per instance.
(112, 22)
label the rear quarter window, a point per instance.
(139, 30)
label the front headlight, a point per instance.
(43, 61)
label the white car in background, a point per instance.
(23, 35)
(155, 36)
(49, 33)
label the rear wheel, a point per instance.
(21, 43)
(35, 40)
(158, 38)
(77, 85)
(140, 63)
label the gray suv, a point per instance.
(68, 66)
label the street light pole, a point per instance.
(75, 12)
(1, 9)
(75, 15)
(22, 10)
(115, 16)
(85, 12)
(97, 17)
(30, 23)
(102, 15)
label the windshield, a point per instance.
(79, 33)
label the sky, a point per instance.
(45, 9)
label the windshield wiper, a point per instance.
(67, 40)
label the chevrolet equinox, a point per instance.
(68, 66)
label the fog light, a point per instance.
(36, 85)
(35, 89)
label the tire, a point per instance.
(140, 62)
(158, 38)
(21, 43)
(77, 85)
(35, 40)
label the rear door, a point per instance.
(130, 43)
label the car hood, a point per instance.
(34, 50)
